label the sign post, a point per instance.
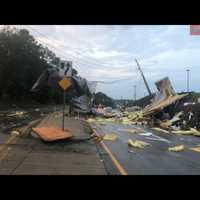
(65, 83)
(63, 121)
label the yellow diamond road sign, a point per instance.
(64, 83)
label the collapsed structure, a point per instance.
(165, 97)
(167, 111)
(173, 111)
(82, 89)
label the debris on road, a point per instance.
(137, 116)
(133, 109)
(197, 149)
(151, 136)
(157, 138)
(17, 113)
(91, 120)
(168, 112)
(130, 130)
(165, 124)
(165, 97)
(146, 134)
(133, 130)
(192, 131)
(195, 131)
(110, 137)
(52, 134)
(138, 143)
(176, 148)
(15, 133)
(182, 132)
(159, 129)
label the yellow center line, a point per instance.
(113, 158)
(4, 148)
(4, 153)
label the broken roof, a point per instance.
(165, 97)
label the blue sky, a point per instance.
(107, 53)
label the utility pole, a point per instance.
(134, 92)
(188, 71)
(145, 82)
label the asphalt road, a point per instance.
(154, 159)
(26, 155)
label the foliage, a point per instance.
(22, 60)
(101, 98)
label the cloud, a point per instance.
(102, 52)
(98, 54)
(104, 74)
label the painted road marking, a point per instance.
(115, 161)
(4, 149)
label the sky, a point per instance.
(108, 53)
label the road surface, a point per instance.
(25, 154)
(154, 159)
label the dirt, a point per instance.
(16, 116)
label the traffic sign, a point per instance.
(64, 83)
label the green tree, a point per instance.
(22, 60)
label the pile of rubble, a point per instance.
(14, 118)
(170, 112)
(167, 112)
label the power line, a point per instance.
(79, 52)
(73, 57)
(62, 54)
(57, 48)
(104, 82)
(76, 51)
(122, 28)
(77, 59)
(61, 50)
(111, 82)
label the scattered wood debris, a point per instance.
(138, 143)
(159, 129)
(110, 137)
(197, 149)
(176, 148)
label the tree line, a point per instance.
(22, 60)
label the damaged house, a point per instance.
(172, 111)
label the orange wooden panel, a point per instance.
(52, 133)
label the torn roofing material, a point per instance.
(165, 97)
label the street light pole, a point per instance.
(188, 79)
